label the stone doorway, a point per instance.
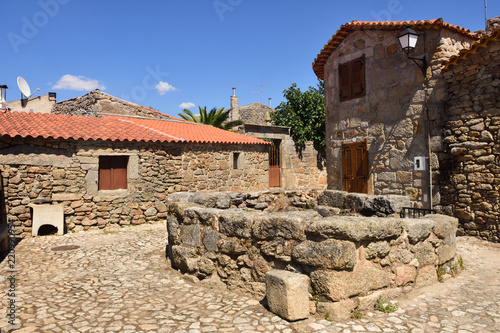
(274, 163)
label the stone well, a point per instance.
(349, 258)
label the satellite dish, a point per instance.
(24, 87)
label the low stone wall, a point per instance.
(241, 236)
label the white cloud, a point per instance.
(73, 82)
(164, 87)
(187, 105)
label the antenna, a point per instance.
(485, 18)
(256, 92)
(25, 88)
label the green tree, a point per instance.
(215, 117)
(304, 113)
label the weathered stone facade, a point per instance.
(226, 235)
(392, 113)
(471, 175)
(97, 102)
(300, 167)
(66, 172)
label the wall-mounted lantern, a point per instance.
(408, 41)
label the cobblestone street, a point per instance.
(119, 281)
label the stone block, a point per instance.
(404, 177)
(326, 211)
(355, 201)
(287, 294)
(340, 285)
(400, 255)
(426, 276)
(231, 246)
(184, 258)
(446, 253)
(66, 196)
(424, 253)
(332, 198)
(190, 234)
(210, 239)
(377, 250)
(338, 311)
(205, 216)
(290, 225)
(445, 227)
(418, 229)
(211, 200)
(356, 228)
(235, 223)
(405, 274)
(331, 253)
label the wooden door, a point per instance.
(355, 167)
(274, 164)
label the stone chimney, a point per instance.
(234, 106)
(493, 24)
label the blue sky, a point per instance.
(169, 54)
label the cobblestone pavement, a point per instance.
(119, 281)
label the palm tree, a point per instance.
(215, 117)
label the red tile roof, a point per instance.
(192, 132)
(114, 128)
(346, 29)
(474, 48)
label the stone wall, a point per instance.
(471, 173)
(392, 114)
(300, 167)
(305, 168)
(238, 237)
(66, 172)
(97, 102)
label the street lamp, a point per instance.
(408, 41)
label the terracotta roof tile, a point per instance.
(472, 49)
(193, 132)
(346, 29)
(114, 128)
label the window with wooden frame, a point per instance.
(113, 172)
(352, 79)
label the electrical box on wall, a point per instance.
(419, 163)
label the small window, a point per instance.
(236, 156)
(113, 172)
(352, 79)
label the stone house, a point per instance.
(43, 104)
(384, 115)
(393, 128)
(117, 169)
(289, 167)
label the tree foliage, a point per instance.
(304, 113)
(215, 117)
